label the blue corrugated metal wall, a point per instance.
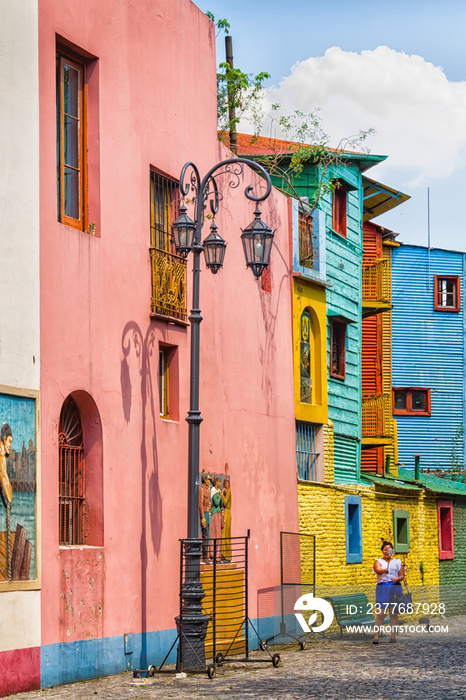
(429, 352)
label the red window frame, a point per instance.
(338, 347)
(340, 209)
(446, 545)
(408, 411)
(441, 307)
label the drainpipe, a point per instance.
(231, 96)
(417, 467)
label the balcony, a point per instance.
(377, 429)
(376, 282)
(168, 286)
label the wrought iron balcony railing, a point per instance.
(168, 285)
(376, 282)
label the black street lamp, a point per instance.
(257, 244)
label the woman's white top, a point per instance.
(394, 566)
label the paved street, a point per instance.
(428, 666)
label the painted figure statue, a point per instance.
(205, 515)
(216, 521)
(226, 532)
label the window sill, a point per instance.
(443, 556)
(340, 377)
(67, 547)
(448, 309)
(354, 558)
(170, 320)
(74, 229)
(338, 233)
(411, 413)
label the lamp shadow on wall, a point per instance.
(137, 347)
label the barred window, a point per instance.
(71, 474)
(307, 453)
(306, 251)
(168, 268)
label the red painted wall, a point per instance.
(153, 103)
(20, 670)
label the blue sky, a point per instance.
(413, 92)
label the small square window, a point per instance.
(447, 293)
(411, 402)
(353, 519)
(401, 531)
(337, 349)
(445, 529)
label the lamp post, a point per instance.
(257, 241)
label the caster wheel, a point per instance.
(303, 645)
(276, 660)
(263, 645)
(219, 658)
(211, 671)
(151, 671)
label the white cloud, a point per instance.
(419, 115)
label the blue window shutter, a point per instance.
(353, 521)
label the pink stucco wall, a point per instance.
(153, 103)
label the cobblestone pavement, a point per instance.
(428, 666)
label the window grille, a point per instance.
(168, 268)
(306, 252)
(306, 451)
(71, 475)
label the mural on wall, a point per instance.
(305, 359)
(17, 488)
(215, 516)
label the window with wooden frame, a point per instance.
(445, 529)
(339, 208)
(164, 369)
(401, 531)
(411, 401)
(72, 473)
(168, 268)
(71, 145)
(447, 293)
(353, 520)
(337, 349)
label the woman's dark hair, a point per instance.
(384, 544)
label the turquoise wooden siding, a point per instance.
(344, 298)
(429, 352)
(339, 266)
(347, 458)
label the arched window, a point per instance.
(72, 473)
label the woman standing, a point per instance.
(389, 574)
(226, 534)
